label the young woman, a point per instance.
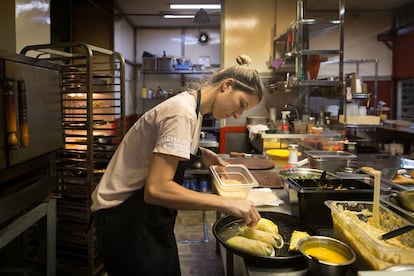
(136, 200)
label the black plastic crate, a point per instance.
(307, 197)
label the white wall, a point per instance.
(361, 43)
(24, 23)
(124, 43)
(247, 28)
(176, 42)
(32, 23)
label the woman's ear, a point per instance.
(227, 84)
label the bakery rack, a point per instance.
(92, 82)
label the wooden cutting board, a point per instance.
(252, 163)
(268, 178)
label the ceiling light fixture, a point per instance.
(195, 6)
(201, 17)
(177, 16)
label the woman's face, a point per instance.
(232, 103)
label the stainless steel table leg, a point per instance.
(229, 263)
(51, 237)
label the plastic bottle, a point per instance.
(284, 123)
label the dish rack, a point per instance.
(92, 82)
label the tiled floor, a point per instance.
(197, 257)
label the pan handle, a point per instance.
(11, 114)
(23, 120)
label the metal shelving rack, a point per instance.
(293, 47)
(148, 103)
(93, 112)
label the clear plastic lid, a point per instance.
(234, 175)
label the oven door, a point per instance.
(44, 112)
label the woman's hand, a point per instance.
(243, 209)
(209, 158)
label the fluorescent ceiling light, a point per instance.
(195, 6)
(175, 16)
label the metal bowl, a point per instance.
(322, 267)
(305, 173)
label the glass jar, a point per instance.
(311, 123)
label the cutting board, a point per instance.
(252, 163)
(268, 178)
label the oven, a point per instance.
(30, 133)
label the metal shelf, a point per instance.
(292, 47)
(90, 75)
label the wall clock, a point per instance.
(203, 38)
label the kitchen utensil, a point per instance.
(323, 177)
(286, 224)
(396, 232)
(318, 266)
(240, 154)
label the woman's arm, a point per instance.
(160, 189)
(208, 158)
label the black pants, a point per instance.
(138, 238)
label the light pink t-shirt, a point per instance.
(170, 128)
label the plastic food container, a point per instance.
(233, 181)
(350, 226)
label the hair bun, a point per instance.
(243, 60)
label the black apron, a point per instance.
(138, 238)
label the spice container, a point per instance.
(293, 154)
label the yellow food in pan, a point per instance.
(254, 247)
(267, 225)
(295, 238)
(274, 240)
(260, 240)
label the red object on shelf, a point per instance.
(229, 129)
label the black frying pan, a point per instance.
(286, 224)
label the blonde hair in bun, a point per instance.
(243, 60)
(245, 78)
